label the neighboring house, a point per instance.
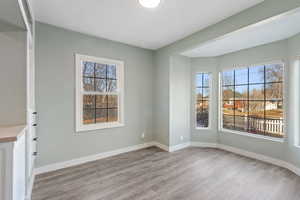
(241, 105)
(271, 105)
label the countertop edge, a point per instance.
(11, 133)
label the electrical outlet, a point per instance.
(143, 135)
(181, 138)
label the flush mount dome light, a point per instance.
(149, 3)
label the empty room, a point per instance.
(150, 100)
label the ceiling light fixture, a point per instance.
(149, 3)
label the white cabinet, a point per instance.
(17, 144)
(31, 142)
(13, 163)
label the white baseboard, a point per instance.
(179, 147)
(203, 145)
(249, 154)
(172, 148)
(161, 146)
(74, 162)
(292, 167)
(83, 160)
(261, 157)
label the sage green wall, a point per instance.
(161, 98)
(180, 98)
(266, 53)
(13, 78)
(55, 95)
(294, 46)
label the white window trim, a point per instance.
(209, 100)
(79, 93)
(284, 104)
(297, 134)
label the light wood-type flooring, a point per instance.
(152, 174)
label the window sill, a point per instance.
(281, 140)
(94, 127)
(204, 129)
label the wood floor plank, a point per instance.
(152, 174)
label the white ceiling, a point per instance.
(274, 29)
(126, 21)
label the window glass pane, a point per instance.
(241, 123)
(111, 72)
(199, 77)
(88, 84)
(205, 106)
(256, 92)
(100, 93)
(256, 74)
(274, 110)
(227, 77)
(112, 115)
(88, 101)
(100, 70)
(111, 86)
(88, 116)
(257, 106)
(101, 115)
(101, 101)
(274, 73)
(206, 80)
(241, 108)
(274, 127)
(274, 91)
(256, 125)
(112, 101)
(199, 94)
(241, 92)
(228, 107)
(202, 114)
(88, 69)
(256, 109)
(228, 121)
(100, 85)
(205, 93)
(202, 100)
(228, 93)
(241, 76)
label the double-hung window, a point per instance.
(252, 100)
(99, 93)
(202, 100)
